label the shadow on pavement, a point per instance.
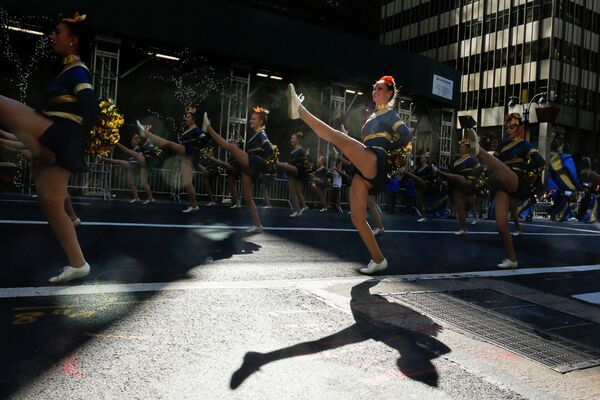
(399, 327)
(39, 333)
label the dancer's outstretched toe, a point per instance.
(294, 102)
(473, 142)
(141, 128)
(205, 123)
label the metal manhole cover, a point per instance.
(545, 348)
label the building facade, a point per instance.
(512, 54)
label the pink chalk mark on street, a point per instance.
(69, 366)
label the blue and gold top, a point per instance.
(297, 156)
(71, 97)
(466, 166)
(426, 173)
(259, 145)
(386, 131)
(194, 139)
(519, 156)
(138, 150)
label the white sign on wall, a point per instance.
(442, 87)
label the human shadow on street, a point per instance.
(399, 327)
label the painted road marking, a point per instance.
(298, 283)
(589, 297)
(586, 232)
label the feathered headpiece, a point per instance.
(388, 80)
(513, 116)
(260, 110)
(76, 18)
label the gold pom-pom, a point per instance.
(271, 161)
(397, 158)
(105, 134)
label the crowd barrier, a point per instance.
(104, 180)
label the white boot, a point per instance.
(294, 102)
(205, 123)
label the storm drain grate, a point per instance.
(545, 348)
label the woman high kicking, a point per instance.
(383, 131)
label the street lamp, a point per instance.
(514, 101)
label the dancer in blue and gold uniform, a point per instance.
(252, 162)
(424, 178)
(298, 173)
(464, 179)
(136, 164)
(57, 136)
(383, 131)
(513, 163)
(192, 140)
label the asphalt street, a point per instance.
(189, 306)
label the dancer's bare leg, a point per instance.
(131, 153)
(514, 205)
(186, 175)
(247, 187)
(240, 155)
(69, 208)
(12, 145)
(293, 194)
(365, 160)
(472, 205)
(315, 188)
(145, 184)
(131, 181)
(301, 201)
(233, 189)
(265, 192)
(508, 179)
(501, 211)
(374, 211)
(27, 125)
(458, 201)
(457, 181)
(162, 142)
(359, 194)
(51, 183)
(8, 135)
(206, 182)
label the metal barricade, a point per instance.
(93, 183)
(541, 209)
(163, 182)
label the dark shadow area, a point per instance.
(397, 326)
(42, 332)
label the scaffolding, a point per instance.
(234, 108)
(445, 160)
(105, 73)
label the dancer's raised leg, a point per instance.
(240, 155)
(364, 159)
(508, 179)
